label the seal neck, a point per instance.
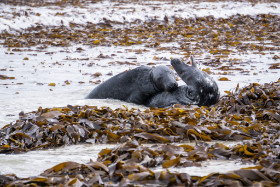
(153, 81)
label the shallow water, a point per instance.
(30, 88)
(35, 162)
(210, 166)
(121, 12)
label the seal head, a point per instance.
(163, 78)
(200, 88)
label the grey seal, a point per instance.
(137, 85)
(200, 88)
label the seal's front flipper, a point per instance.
(178, 65)
(193, 62)
(136, 97)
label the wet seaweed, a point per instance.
(134, 164)
(219, 37)
(250, 113)
(242, 114)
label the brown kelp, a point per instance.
(134, 164)
(242, 114)
(250, 113)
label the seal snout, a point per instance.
(175, 61)
(172, 86)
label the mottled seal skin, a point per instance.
(136, 85)
(200, 88)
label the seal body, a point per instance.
(200, 88)
(164, 99)
(136, 85)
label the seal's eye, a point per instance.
(190, 93)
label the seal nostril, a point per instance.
(172, 86)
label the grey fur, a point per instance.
(136, 85)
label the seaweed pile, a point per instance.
(240, 115)
(218, 36)
(133, 164)
(250, 113)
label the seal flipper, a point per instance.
(193, 62)
(182, 68)
(188, 73)
(179, 66)
(136, 97)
